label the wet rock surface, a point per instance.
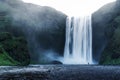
(60, 72)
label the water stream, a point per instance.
(78, 46)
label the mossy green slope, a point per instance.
(5, 59)
(13, 51)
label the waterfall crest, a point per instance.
(78, 46)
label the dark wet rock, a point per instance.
(60, 72)
(56, 62)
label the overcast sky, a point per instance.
(72, 7)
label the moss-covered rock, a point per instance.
(5, 59)
(16, 48)
(111, 54)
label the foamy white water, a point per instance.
(78, 46)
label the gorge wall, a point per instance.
(44, 29)
(105, 25)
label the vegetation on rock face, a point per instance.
(111, 54)
(101, 19)
(5, 59)
(13, 51)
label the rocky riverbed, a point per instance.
(60, 72)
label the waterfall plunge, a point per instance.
(78, 46)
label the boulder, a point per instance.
(56, 62)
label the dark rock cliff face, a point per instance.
(111, 54)
(42, 27)
(13, 50)
(102, 33)
(106, 24)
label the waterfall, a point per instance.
(78, 46)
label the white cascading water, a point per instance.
(78, 46)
